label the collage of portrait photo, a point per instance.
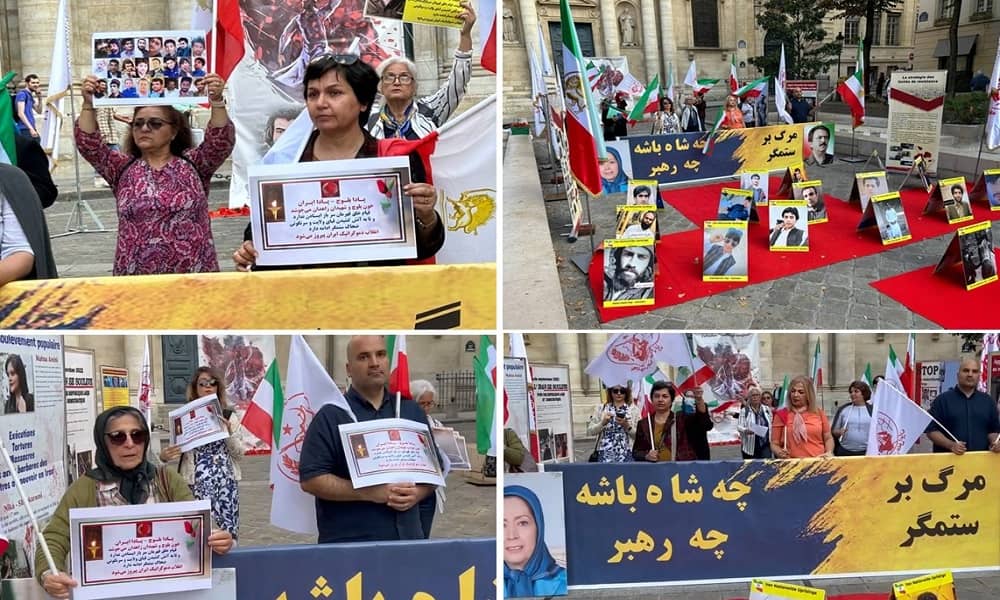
(156, 67)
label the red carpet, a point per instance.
(943, 298)
(678, 255)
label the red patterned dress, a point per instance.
(163, 223)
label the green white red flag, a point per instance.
(267, 401)
(649, 102)
(734, 78)
(866, 377)
(8, 148)
(583, 131)
(754, 88)
(399, 366)
(852, 89)
(817, 367)
(485, 367)
(700, 86)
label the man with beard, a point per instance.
(970, 415)
(642, 229)
(819, 139)
(629, 276)
(817, 208)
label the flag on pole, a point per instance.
(583, 131)
(910, 368)
(780, 99)
(866, 377)
(649, 102)
(896, 422)
(547, 69)
(779, 396)
(8, 146)
(710, 144)
(993, 120)
(485, 367)
(267, 401)
(895, 372)
(146, 386)
(227, 38)
(852, 89)
(399, 366)
(753, 89)
(670, 82)
(537, 90)
(3, 540)
(700, 85)
(817, 368)
(734, 78)
(488, 36)
(632, 356)
(691, 370)
(59, 82)
(991, 343)
(308, 390)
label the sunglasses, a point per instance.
(617, 390)
(138, 436)
(154, 123)
(208, 382)
(337, 59)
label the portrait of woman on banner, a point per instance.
(529, 570)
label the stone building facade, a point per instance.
(653, 33)
(978, 31)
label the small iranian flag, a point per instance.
(894, 370)
(866, 377)
(488, 42)
(910, 368)
(584, 140)
(817, 368)
(649, 102)
(753, 89)
(779, 398)
(700, 85)
(267, 401)
(852, 89)
(8, 149)
(485, 367)
(734, 78)
(399, 366)
(710, 144)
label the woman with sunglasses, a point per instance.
(614, 423)
(400, 115)
(160, 182)
(123, 477)
(339, 91)
(213, 470)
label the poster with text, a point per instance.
(554, 411)
(197, 423)
(32, 429)
(81, 410)
(114, 387)
(390, 451)
(916, 108)
(519, 406)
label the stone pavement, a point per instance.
(837, 296)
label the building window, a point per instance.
(851, 28)
(705, 21)
(946, 8)
(892, 29)
(984, 6)
(876, 26)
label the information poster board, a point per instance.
(515, 387)
(114, 387)
(81, 409)
(554, 412)
(916, 107)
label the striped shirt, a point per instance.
(106, 125)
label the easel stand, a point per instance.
(854, 158)
(878, 161)
(75, 223)
(581, 260)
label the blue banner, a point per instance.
(457, 569)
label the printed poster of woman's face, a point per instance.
(534, 551)
(157, 67)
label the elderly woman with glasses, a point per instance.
(160, 182)
(402, 117)
(213, 470)
(123, 476)
(754, 426)
(340, 90)
(614, 423)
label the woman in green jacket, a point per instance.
(123, 476)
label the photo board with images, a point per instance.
(737, 205)
(936, 586)
(789, 225)
(332, 211)
(972, 247)
(890, 218)
(554, 412)
(762, 589)
(758, 182)
(818, 144)
(725, 256)
(533, 502)
(812, 192)
(793, 174)
(629, 272)
(865, 186)
(987, 189)
(642, 191)
(636, 221)
(149, 68)
(952, 196)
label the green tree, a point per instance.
(860, 8)
(799, 24)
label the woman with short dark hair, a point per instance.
(852, 422)
(614, 423)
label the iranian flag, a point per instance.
(691, 370)
(226, 39)
(267, 401)
(710, 144)
(485, 367)
(583, 136)
(866, 377)
(910, 367)
(649, 102)
(852, 89)
(894, 371)
(700, 85)
(146, 386)
(817, 368)
(8, 149)
(488, 42)
(399, 366)
(734, 78)
(3, 538)
(753, 89)
(780, 99)
(780, 397)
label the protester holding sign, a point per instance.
(213, 470)
(653, 437)
(402, 117)
(339, 92)
(160, 183)
(123, 477)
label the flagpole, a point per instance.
(27, 507)
(979, 155)
(399, 396)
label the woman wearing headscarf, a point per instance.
(19, 398)
(213, 470)
(614, 422)
(400, 115)
(852, 421)
(755, 445)
(613, 178)
(528, 567)
(122, 477)
(801, 430)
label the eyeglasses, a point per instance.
(208, 382)
(154, 124)
(403, 78)
(337, 59)
(617, 390)
(138, 436)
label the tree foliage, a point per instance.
(860, 8)
(799, 23)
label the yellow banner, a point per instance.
(440, 13)
(411, 297)
(114, 387)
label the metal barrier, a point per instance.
(456, 392)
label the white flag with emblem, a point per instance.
(309, 388)
(464, 170)
(897, 421)
(632, 356)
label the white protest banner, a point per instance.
(916, 110)
(197, 423)
(390, 451)
(554, 412)
(121, 551)
(81, 408)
